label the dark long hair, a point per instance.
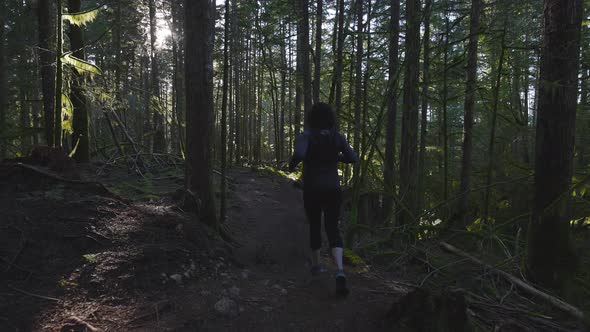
(321, 116)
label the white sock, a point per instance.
(315, 257)
(337, 255)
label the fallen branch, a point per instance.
(517, 282)
(34, 295)
(101, 188)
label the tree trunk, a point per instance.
(226, 70)
(298, 80)
(3, 141)
(424, 108)
(358, 94)
(338, 62)
(117, 34)
(553, 265)
(469, 110)
(159, 141)
(199, 103)
(318, 51)
(57, 133)
(284, 69)
(46, 47)
(390, 133)
(236, 54)
(80, 139)
(492, 142)
(146, 95)
(445, 95)
(409, 141)
(305, 65)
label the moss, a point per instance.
(90, 258)
(273, 172)
(66, 284)
(142, 189)
(351, 258)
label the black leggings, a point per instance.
(329, 203)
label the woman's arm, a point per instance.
(300, 151)
(347, 155)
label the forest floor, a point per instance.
(75, 256)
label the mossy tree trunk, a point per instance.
(57, 128)
(80, 137)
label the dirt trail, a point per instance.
(72, 254)
(279, 294)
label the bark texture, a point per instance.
(199, 104)
(409, 140)
(553, 265)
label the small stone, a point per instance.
(177, 278)
(226, 307)
(266, 308)
(205, 293)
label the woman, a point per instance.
(321, 148)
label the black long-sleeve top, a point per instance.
(320, 151)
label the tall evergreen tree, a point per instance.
(199, 105)
(46, 22)
(389, 165)
(409, 141)
(469, 110)
(80, 139)
(2, 82)
(159, 141)
(553, 265)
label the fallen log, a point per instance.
(97, 187)
(575, 312)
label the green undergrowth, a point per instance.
(352, 258)
(269, 171)
(149, 187)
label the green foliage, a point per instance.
(142, 189)
(350, 257)
(271, 171)
(66, 283)
(91, 258)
